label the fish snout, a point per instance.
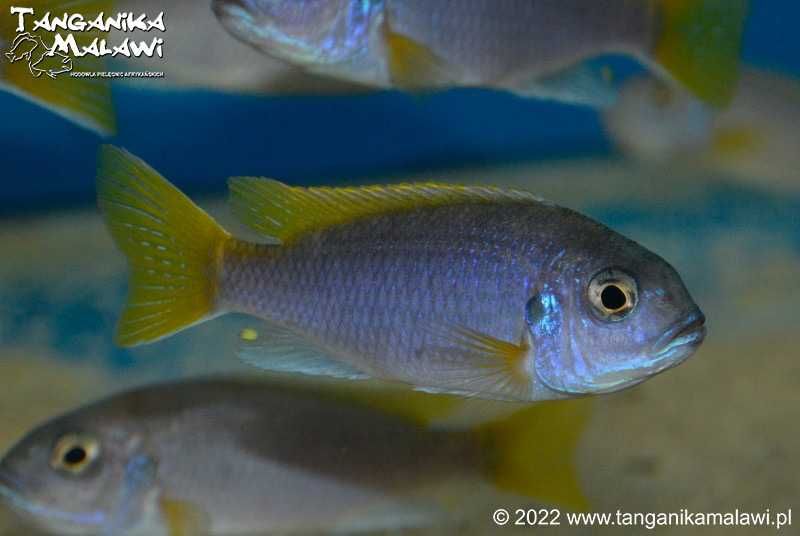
(11, 487)
(682, 339)
(247, 10)
(232, 9)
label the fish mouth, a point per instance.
(9, 483)
(671, 349)
(680, 341)
(12, 492)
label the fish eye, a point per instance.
(613, 294)
(74, 454)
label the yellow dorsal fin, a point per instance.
(412, 65)
(533, 452)
(284, 212)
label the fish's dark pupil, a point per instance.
(613, 298)
(75, 456)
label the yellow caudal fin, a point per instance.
(700, 44)
(173, 248)
(532, 453)
(31, 68)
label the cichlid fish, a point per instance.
(531, 47)
(33, 70)
(203, 55)
(754, 139)
(462, 289)
(237, 457)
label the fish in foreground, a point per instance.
(534, 48)
(228, 456)
(31, 69)
(754, 139)
(471, 290)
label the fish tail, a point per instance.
(30, 72)
(532, 452)
(700, 43)
(174, 249)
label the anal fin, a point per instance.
(582, 84)
(279, 349)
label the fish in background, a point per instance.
(201, 54)
(478, 291)
(754, 139)
(536, 48)
(226, 456)
(23, 56)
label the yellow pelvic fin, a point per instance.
(173, 248)
(285, 213)
(700, 44)
(532, 452)
(412, 66)
(28, 70)
(183, 518)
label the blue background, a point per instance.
(197, 139)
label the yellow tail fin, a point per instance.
(700, 44)
(30, 70)
(532, 453)
(173, 248)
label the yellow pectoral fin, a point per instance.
(468, 362)
(413, 66)
(183, 518)
(285, 213)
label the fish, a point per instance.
(237, 456)
(753, 140)
(32, 69)
(203, 55)
(470, 290)
(534, 48)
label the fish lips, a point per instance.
(680, 341)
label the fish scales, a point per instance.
(493, 39)
(379, 287)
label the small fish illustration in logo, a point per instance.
(22, 48)
(42, 60)
(52, 64)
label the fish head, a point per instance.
(655, 121)
(614, 316)
(322, 35)
(77, 474)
